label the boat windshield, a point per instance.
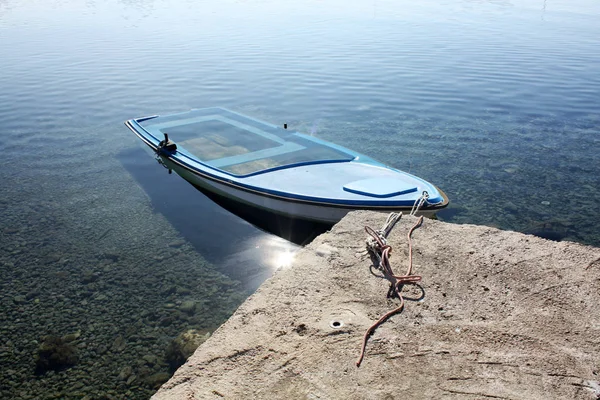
(240, 145)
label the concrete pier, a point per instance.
(497, 315)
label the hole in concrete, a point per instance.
(336, 324)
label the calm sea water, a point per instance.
(496, 102)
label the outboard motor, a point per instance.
(166, 146)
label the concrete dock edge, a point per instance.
(497, 315)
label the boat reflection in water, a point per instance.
(235, 246)
(300, 232)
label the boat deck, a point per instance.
(239, 145)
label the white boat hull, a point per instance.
(309, 211)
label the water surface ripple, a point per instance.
(495, 102)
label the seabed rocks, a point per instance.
(91, 288)
(497, 315)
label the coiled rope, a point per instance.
(379, 248)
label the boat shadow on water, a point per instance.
(215, 226)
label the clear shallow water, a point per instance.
(495, 102)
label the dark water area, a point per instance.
(240, 250)
(496, 102)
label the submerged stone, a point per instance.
(119, 344)
(157, 379)
(184, 346)
(188, 307)
(55, 354)
(125, 373)
(71, 337)
(89, 277)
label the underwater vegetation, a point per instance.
(56, 353)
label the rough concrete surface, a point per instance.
(502, 315)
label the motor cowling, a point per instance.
(167, 145)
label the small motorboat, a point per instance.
(269, 168)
